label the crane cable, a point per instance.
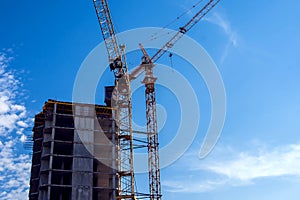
(156, 36)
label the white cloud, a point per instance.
(14, 164)
(4, 108)
(283, 161)
(22, 124)
(230, 168)
(14, 172)
(191, 185)
(12, 114)
(23, 138)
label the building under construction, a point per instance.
(73, 153)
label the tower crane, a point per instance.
(147, 65)
(123, 112)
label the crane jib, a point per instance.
(184, 29)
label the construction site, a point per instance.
(86, 151)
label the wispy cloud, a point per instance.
(237, 169)
(247, 166)
(223, 23)
(14, 164)
(231, 34)
(214, 17)
(192, 185)
(219, 20)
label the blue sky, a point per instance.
(255, 46)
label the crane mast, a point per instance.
(123, 112)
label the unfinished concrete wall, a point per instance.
(82, 184)
(72, 154)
